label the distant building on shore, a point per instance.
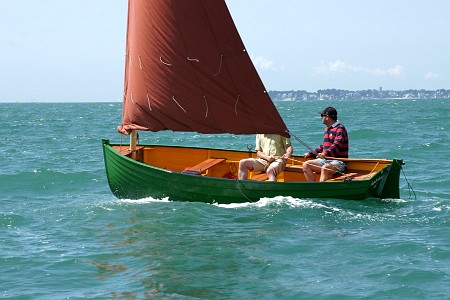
(335, 94)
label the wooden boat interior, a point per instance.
(225, 163)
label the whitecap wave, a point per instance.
(280, 201)
(144, 200)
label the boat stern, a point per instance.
(385, 184)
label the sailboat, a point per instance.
(187, 70)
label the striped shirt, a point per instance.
(335, 142)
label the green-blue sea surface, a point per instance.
(63, 235)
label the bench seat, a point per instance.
(203, 166)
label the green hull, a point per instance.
(131, 179)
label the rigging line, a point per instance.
(148, 101)
(220, 65)
(173, 98)
(235, 104)
(193, 59)
(370, 174)
(140, 63)
(207, 109)
(300, 141)
(166, 63)
(410, 188)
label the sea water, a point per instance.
(63, 235)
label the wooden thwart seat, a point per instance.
(203, 166)
(261, 176)
(294, 168)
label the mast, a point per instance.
(133, 143)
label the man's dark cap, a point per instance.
(329, 111)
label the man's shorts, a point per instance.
(261, 165)
(339, 165)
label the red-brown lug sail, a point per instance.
(187, 69)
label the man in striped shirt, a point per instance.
(335, 144)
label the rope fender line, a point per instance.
(239, 184)
(410, 188)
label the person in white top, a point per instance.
(272, 151)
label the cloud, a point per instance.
(339, 66)
(263, 63)
(431, 75)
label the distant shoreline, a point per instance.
(301, 95)
(275, 100)
(336, 94)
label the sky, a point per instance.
(73, 50)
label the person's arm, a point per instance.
(289, 151)
(259, 152)
(262, 155)
(314, 152)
